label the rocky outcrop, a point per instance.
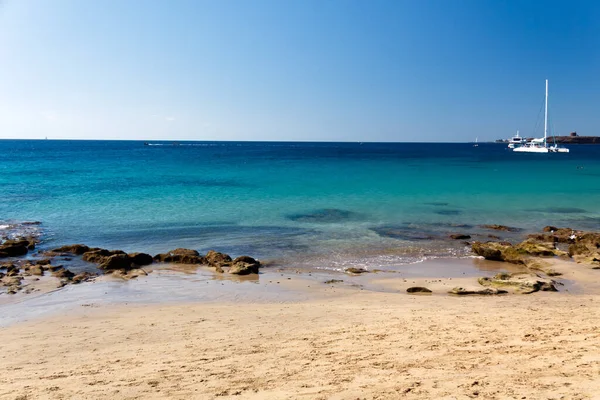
(14, 248)
(244, 265)
(77, 249)
(214, 258)
(98, 256)
(117, 262)
(497, 227)
(518, 254)
(141, 259)
(476, 291)
(181, 256)
(524, 283)
(63, 273)
(83, 277)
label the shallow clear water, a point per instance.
(326, 205)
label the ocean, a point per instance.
(317, 205)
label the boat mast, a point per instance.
(546, 115)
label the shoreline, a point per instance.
(339, 343)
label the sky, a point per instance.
(325, 70)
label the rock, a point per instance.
(535, 248)
(518, 254)
(355, 271)
(99, 256)
(77, 249)
(243, 268)
(466, 291)
(12, 270)
(134, 273)
(12, 281)
(244, 265)
(116, 262)
(332, 281)
(51, 268)
(219, 269)
(45, 261)
(63, 273)
(489, 250)
(36, 270)
(181, 256)
(549, 229)
(83, 277)
(522, 282)
(587, 244)
(460, 236)
(141, 258)
(418, 289)
(497, 227)
(14, 248)
(184, 252)
(215, 258)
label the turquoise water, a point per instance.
(325, 205)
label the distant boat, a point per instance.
(516, 141)
(541, 145)
(476, 142)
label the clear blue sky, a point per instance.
(419, 70)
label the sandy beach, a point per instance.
(338, 342)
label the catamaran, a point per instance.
(541, 145)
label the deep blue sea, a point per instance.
(323, 205)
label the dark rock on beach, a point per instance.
(63, 273)
(217, 259)
(244, 265)
(99, 256)
(77, 249)
(116, 262)
(181, 256)
(418, 289)
(355, 271)
(141, 258)
(14, 248)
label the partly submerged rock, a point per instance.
(460, 236)
(98, 256)
(244, 265)
(181, 256)
(140, 258)
(325, 215)
(418, 289)
(215, 258)
(14, 248)
(497, 227)
(77, 249)
(116, 262)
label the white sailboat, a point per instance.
(541, 145)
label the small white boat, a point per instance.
(541, 145)
(476, 142)
(516, 141)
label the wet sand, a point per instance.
(196, 335)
